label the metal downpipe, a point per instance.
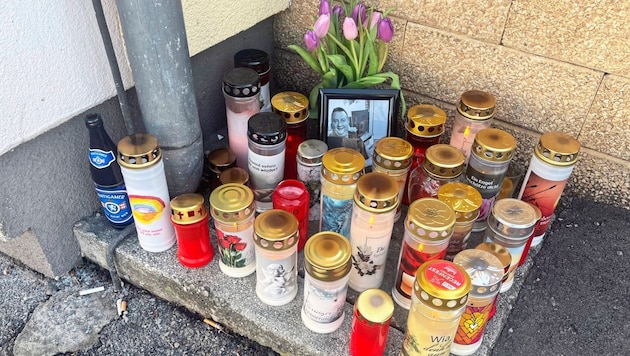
(157, 48)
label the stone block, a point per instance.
(290, 25)
(607, 128)
(531, 91)
(587, 33)
(601, 178)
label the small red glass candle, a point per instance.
(293, 107)
(291, 195)
(370, 323)
(189, 216)
(424, 128)
(531, 238)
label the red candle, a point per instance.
(370, 323)
(291, 195)
(293, 107)
(189, 216)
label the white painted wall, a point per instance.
(53, 64)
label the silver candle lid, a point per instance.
(485, 271)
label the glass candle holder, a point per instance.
(293, 107)
(493, 150)
(232, 209)
(189, 216)
(234, 175)
(465, 202)
(440, 295)
(341, 168)
(485, 271)
(291, 195)
(531, 238)
(309, 172)
(327, 266)
(142, 167)
(241, 89)
(373, 209)
(275, 235)
(257, 60)
(428, 229)
(424, 128)
(267, 135)
(442, 164)
(510, 224)
(505, 258)
(475, 111)
(371, 317)
(392, 156)
(549, 170)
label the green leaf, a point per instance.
(339, 61)
(365, 82)
(382, 50)
(321, 57)
(329, 79)
(373, 60)
(308, 58)
(340, 45)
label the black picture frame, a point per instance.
(370, 114)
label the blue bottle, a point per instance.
(108, 180)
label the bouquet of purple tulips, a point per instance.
(348, 47)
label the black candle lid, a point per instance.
(266, 128)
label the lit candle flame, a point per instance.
(371, 219)
(467, 131)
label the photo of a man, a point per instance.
(341, 134)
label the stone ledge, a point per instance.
(233, 302)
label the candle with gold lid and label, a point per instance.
(276, 238)
(293, 107)
(371, 317)
(505, 258)
(189, 216)
(492, 152)
(442, 164)
(309, 172)
(341, 169)
(510, 224)
(424, 128)
(327, 266)
(373, 209)
(465, 201)
(551, 165)
(393, 156)
(474, 113)
(440, 296)
(232, 209)
(485, 271)
(428, 229)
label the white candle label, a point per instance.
(310, 176)
(236, 248)
(323, 305)
(148, 213)
(368, 260)
(265, 172)
(544, 194)
(488, 185)
(276, 279)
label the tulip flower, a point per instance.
(350, 30)
(321, 25)
(338, 11)
(385, 30)
(324, 7)
(376, 17)
(359, 14)
(311, 40)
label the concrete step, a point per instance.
(233, 302)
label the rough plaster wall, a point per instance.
(552, 64)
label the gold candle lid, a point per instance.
(220, 159)
(232, 202)
(500, 252)
(310, 152)
(376, 192)
(138, 151)
(425, 120)
(234, 175)
(444, 161)
(512, 218)
(276, 230)
(327, 256)
(342, 165)
(477, 105)
(374, 305)
(393, 153)
(292, 106)
(442, 285)
(494, 145)
(485, 271)
(463, 198)
(557, 149)
(188, 208)
(430, 219)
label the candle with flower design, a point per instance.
(428, 229)
(232, 209)
(465, 201)
(373, 211)
(474, 113)
(392, 156)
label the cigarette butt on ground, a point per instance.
(91, 290)
(214, 324)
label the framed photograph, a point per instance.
(357, 118)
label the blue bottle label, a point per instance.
(115, 204)
(101, 159)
